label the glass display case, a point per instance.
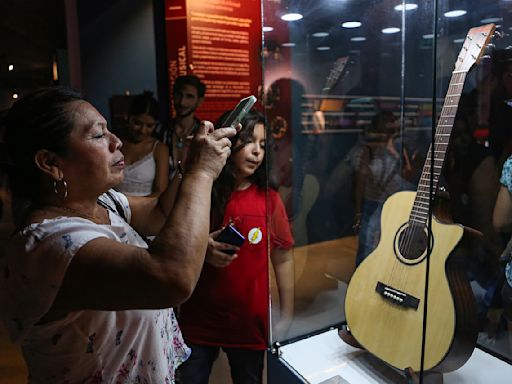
(393, 238)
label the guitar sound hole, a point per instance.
(412, 242)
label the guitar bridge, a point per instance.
(396, 296)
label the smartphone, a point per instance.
(230, 235)
(237, 114)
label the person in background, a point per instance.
(146, 159)
(502, 221)
(188, 95)
(229, 308)
(80, 290)
(381, 170)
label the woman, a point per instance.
(229, 309)
(502, 221)
(146, 159)
(79, 288)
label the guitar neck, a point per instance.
(430, 175)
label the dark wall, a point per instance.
(117, 49)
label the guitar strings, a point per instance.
(407, 242)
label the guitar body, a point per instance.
(384, 305)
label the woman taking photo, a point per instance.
(80, 290)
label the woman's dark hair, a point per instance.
(41, 120)
(145, 103)
(225, 183)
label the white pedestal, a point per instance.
(326, 359)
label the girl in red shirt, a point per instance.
(229, 308)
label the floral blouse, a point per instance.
(135, 346)
(506, 181)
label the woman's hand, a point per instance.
(216, 255)
(209, 150)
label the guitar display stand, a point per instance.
(428, 377)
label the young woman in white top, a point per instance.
(146, 159)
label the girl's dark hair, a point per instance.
(225, 183)
(41, 120)
(145, 103)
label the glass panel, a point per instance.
(351, 107)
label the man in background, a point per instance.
(188, 95)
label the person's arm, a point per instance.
(284, 269)
(502, 215)
(161, 181)
(108, 275)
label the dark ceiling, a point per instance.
(32, 34)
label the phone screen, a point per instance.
(236, 115)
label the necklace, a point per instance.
(179, 141)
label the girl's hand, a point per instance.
(216, 255)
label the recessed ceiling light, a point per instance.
(408, 7)
(15, 96)
(323, 48)
(351, 24)
(320, 34)
(288, 45)
(11, 67)
(268, 29)
(358, 38)
(291, 17)
(456, 13)
(491, 20)
(390, 30)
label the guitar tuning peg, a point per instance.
(508, 48)
(486, 57)
(490, 46)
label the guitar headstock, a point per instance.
(474, 46)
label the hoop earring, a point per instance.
(64, 187)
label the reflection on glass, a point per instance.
(329, 90)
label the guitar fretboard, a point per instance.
(421, 208)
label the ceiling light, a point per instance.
(320, 34)
(455, 13)
(288, 45)
(11, 67)
(291, 17)
(323, 48)
(358, 38)
(351, 24)
(408, 7)
(390, 30)
(15, 96)
(268, 29)
(491, 20)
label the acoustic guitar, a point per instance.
(385, 301)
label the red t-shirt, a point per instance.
(229, 306)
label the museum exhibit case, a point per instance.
(390, 133)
